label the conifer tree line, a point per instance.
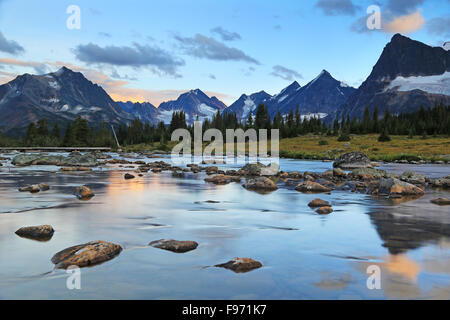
(431, 121)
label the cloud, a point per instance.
(285, 73)
(226, 35)
(10, 46)
(104, 34)
(405, 24)
(439, 27)
(204, 47)
(119, 90)
(337, 7)
(39, 68)
(211, 76)
(159, 60)
(277, 27)
(402, 7)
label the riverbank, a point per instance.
(401, 149)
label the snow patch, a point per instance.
(206, 110)
(54, 85)
(438, 84)
(282, 98)
(446, 46)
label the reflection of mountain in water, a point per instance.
(410, 225)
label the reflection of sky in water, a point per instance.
(304, 255)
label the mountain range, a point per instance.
(409, 74)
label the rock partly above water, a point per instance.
(42, 233)
(260, 184)
(84, 193)
(316, 203)
(74, 159)
(128, 176)
(35, 188)
(241, 265)
(352, 160)
(310, 186)
(174, 245)
(396, 188)
(85, 255)
(324, 210)
(222, 179)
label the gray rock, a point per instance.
(241, 265)
(174, 245)
(352, 160)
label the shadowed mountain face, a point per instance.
(323, 95)
(194, 103)
(145, 111)
(59, 97)
(246, 104)
(409, 74)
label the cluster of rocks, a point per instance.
(323, 207)
(35, 188)
(74, 159)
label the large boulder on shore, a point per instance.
(395, 188)
(41, 233)
(241, 265)
(260, 184)
(86, 254)
(352, 160)
(310, 186)
(174, 245)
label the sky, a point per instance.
(155, 50)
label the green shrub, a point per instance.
(323, 142)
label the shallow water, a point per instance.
(304, 255)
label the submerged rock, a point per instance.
(260, 183)
(441, 201)
(85, 255)
(324, 210)
(310, 186)
(174, 245)
(84, 193)
(396, 188)
(318, 203)
(352, 160)
(44, 232)
(241, 265)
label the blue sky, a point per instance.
(154, 50)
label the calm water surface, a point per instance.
(305, 255)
